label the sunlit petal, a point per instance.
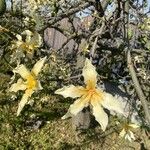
(19, 37)
(132, 135)
(122, 133)
(100, 116)
(24, 100)
(134, 126)
(28, 34)
(22, 70)
(77, 106)
(39, 86)
(89, 73)
(67, 115)
(36, 40)
(38, 66)
(20, 85)
(128, 137)
(111, 103)
(71, 91)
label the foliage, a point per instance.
(68, 32)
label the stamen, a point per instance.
(31, 82)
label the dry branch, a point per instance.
(138, 87)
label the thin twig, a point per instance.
(93, 48)
(64, 15)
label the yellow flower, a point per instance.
(127, 131)
(32, 41)
(91, 95)
(28, 82)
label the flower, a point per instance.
(127, 133)
(91, 95)
(31, 42)
(28, 82)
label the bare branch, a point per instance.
(138, 87)
(64, 15)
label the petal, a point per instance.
(38, 66)
(122, 133)
(24, 100)
(111, 103)
(28, 34)
(77, 106)
(22, 70)
(134, 126)
(67, 115)
(128, 137)
(132, 135)
(89, 73)
(20, 85)
(19, 37)
(39, 86)
(99, 114)
(71, 91)
(36, 40)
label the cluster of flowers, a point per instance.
(89, 95)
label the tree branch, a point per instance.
(64, 15)
(137, 87)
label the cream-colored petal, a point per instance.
(36, 40)
(134, 126)
(39, 86)
(127, 137)
(22, 70)
(24, 100)
(132, 135)
(71, 91)
(67, 115)
(111, 103)
(19, 37)
(28, 34)
(12, 78)
(18, 45)
(38, 66)
(89, 73)
(20, 85)
(77, 106)
(100, 115)
(122, 133)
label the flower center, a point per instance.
(92, 91)
(127, 127)
(31, 82)
(27, 47)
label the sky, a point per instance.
(86, 12)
